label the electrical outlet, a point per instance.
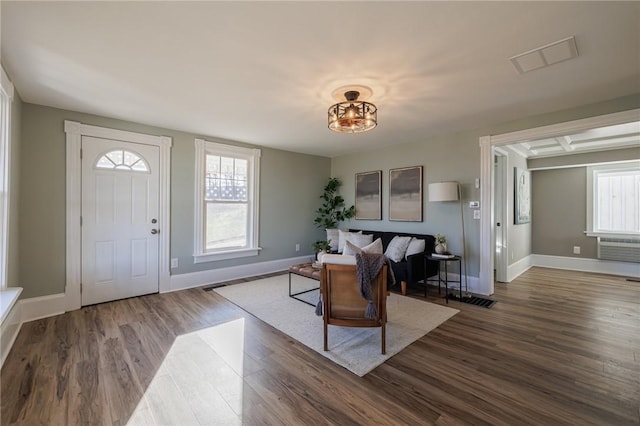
(576, 249)
(297, 247)
(476, 214)
(174, 263)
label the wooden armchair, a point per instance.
(343, 304)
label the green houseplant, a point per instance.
(441, 244)
(333, 210)
(322, 246)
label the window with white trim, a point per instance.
(613, 199)
(227, 190)
(6, 94)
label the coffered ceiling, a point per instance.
(600, 139)
(264, 72)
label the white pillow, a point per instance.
(360, 240)
(397, 248)
(415, 246)
(351, 249)
(344, 236)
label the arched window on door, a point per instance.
(121, 159)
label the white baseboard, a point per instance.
(213, 276)
(587, 265)
(518, 268)
(473, 283)
(35, 308)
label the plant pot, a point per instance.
(332, 237)
(441, 248)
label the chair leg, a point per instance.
(384, 337)
(326, 340)
(403, 287)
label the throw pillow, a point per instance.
(360, 239)
(397, 248)
(415, 246)
(351, 249)
(344, 236)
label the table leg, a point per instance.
(446, 282)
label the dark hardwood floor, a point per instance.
(559, 347)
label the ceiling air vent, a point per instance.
(546, 55)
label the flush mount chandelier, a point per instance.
(352, 115)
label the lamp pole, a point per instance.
(464, 243)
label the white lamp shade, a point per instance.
(443, 191)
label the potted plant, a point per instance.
(333, 210)
(441, 244)
(321, 247)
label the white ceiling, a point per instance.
(263, 72)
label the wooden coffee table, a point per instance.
(304, 270)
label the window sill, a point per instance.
(612, 235)
(8, 298)
(225, 255)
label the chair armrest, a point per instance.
(338, 259)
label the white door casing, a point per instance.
(119, 219)
(500, 215)
(74, 134)
(487, 144)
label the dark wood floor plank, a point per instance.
(559, 347)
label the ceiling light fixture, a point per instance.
(352, 115)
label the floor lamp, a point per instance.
(450, 191)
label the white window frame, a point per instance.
(203, 147)
(6, 97)
(592, 172)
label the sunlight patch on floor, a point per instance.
(199, 382)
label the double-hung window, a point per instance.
(613, 199)
(6, 95)
(227, 186)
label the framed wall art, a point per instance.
(405, 194)
(369, 195)
(522, 196)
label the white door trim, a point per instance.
(74, 132)
(502, 231)
(486, 175)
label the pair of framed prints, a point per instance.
(405, 194)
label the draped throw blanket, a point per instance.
(368, 267)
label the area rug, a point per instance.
(356, 349)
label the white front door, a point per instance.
(120, 205)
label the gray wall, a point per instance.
(451, 157)
(289, 189)
(559, 200)
(14, 193)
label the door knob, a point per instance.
(155, 231)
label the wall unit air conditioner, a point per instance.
(619, 249)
